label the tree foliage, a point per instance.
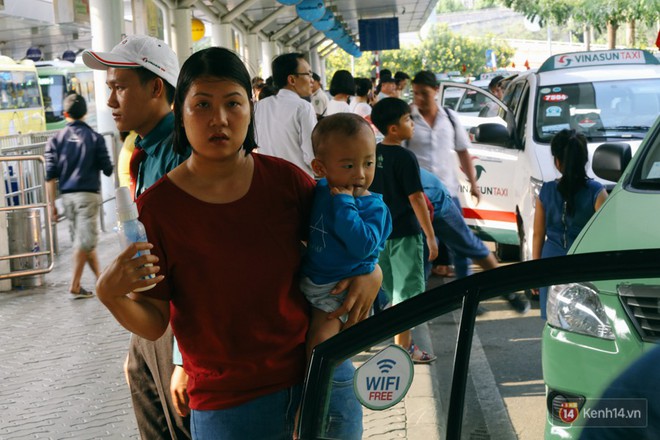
(440, 51)
(597, 13)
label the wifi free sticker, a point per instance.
(384, 380)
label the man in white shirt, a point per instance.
(438, 132)
(387, 85)
(435, 137)
(284, 122)
(319, 96)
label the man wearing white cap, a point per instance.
(142, 73)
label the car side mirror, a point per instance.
(492, 133)
(610, 160)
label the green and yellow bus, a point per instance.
(58, 79)
(21, 106)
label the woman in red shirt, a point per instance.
(211, 222)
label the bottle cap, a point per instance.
(126, 208)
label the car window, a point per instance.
(512, 100)
(606, 109)
(647, 174)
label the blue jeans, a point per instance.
(450, 228)
(345, 414)
(268, 417)
(271, 417)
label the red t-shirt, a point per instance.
(231, 274)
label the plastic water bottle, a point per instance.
(129, 228)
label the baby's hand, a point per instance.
(341, 190)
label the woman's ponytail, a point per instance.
(570, 149)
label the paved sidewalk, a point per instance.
(61, 366)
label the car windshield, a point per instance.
(647, 174)
(621, 109)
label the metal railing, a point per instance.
(34, 144)
(29, 194)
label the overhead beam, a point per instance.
(270, 18)
(298, 35)
(277, 35)
(320, 43)
(217, 18)
(328, 50)
(238, 10)
(311, 39)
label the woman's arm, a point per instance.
(140, 314)
(600, 199)
(539, 230)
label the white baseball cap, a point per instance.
(137, 51)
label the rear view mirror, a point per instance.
(610, 160)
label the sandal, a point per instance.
(82, 293)
(419, 356)
(443, 271)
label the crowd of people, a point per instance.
(231, 172)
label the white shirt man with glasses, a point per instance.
(284, 122)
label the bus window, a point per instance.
(21, 106)
(54, 91)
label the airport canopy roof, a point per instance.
(27, 23)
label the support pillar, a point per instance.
(270, 51)
(255, 55)
(107, 20)
(181, 33)
(221, 35)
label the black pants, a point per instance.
(149, 372)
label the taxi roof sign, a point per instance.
(598, 58)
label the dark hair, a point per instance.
(363, 86)
(216, 62)
(75, 106)
(348, 124)
(257, 82)
(147, 75)
(283, 66)
(267, 91)
(495, 81)
(316, 77)
(388, 111)
(425, 78)
(400, 76)
(342, 82)
(570, 149)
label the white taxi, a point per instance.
(610, 96)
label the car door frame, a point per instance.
(462, 294)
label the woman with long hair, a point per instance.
(564, 205)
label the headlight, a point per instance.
(576, 308)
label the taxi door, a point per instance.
(497, 167)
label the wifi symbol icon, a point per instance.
(386, 365)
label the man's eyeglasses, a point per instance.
(303, 74)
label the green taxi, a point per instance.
(594, 330)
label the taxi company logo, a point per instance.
(484, 190)
(614, 57)
(564, 61)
